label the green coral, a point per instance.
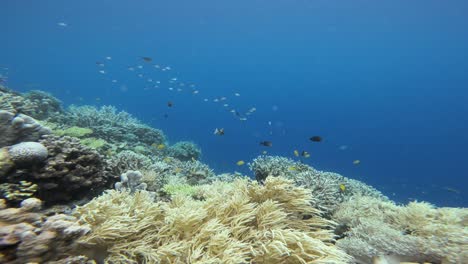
(181, 189)
(74, 131)
(95, 143)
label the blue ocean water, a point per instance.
(383, 82)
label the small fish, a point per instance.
(131, 68)
(243, 118)
(205, 100)
(237, 94)
(343, 147)
(157, 66)
(356, 162)
(253, 109)
(342, 187)
(305, 154)
(195, 92)
(292, 168)
(296, 153)
(161, 146)
(222, 98)
(266, 143)
(102, 72)
(165, 115)
(225, 105)
(316, 138)
(140, 75)
(100, 64)
(140, 66)
(240, 163)
(449, 189)
(264, 152)
(114, 81)
(219, 132)
(108, 58)
(147, 59)
(170, 104)
(62, 24)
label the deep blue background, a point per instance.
(386, 78)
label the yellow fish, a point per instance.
(160, 146)
(356, 162)
(240, 163)
(296, 153)
(342, 187)
(292, 168)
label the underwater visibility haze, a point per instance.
(376, 91)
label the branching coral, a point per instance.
(185, 151)
(416, 232)
(113, 126)
(239, 222)
(128, 160)
(325, 186)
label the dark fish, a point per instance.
(98, 63)
(166, 115)
(266, 143)
(147, 59)
(170, 104)
(316, 138)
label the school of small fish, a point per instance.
(156, 76)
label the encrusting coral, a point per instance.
(417, 232)
(16, 128)
(238, 222)
(28, 236)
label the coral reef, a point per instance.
(28, 236)
(16, 128)
(36, 104)
(324, 185)
(239, 222)
(70, 172)
(112, 126)
(26, 154)
(128, 160)
(15, 193)
(131, 181)
(74, 131)
(417, 232)
(184, 151)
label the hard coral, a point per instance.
(28, 236)
(71, 171)
(16, 128)
(26, 154)
(36, 104)
(185, 151)
(417, 232)
(113, 126)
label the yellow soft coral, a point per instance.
(239, 222)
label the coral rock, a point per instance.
(27, 153)
(19, 128)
